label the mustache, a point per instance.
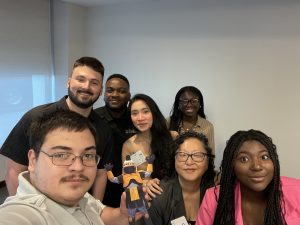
(72, 177)
(84, 91)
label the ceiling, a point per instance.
(100, 2)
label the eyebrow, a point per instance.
(66, 148)
(260, 151)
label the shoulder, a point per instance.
(204, 122)
(174, 134)
(21, 211)
(101, 111)
(290, 186)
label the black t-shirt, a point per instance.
(16, 145)
(122, 130)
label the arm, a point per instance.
(125, 150)
(99, 185)
(13, 169)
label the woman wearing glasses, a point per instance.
(188, 114)
(192, 160)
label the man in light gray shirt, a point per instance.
(62, 168)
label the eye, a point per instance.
(265, 157)
(80, 79)
(89, 156)
(198, 155)
(94, 83)
(61, 156)
(243, 159)
(134, 113)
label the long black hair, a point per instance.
(208, 177)
(225, 213)
(176, 114)
(160, 135)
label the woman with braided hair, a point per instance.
(251, 191)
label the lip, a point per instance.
(257, 179)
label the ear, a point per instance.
(31, 160)
(69, 80)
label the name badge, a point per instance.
(180, 221)
(138, 158)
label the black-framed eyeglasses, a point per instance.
(193, 101)
(67, 158)
(196, 156)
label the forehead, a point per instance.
(191, 145)
(139, 104)
(87, 72)
(68, 138)
(188, 95)
(116, 83)
(252, 147)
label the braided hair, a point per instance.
(225, 212)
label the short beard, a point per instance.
(82, 105)
(120, 109)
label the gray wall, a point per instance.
(242, 55)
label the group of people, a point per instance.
(55, 188)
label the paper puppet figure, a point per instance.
(133, 184)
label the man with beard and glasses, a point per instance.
(84, 88)
(117, 115)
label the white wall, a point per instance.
(242, 55)
(25, 61)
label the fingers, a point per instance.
(153, 187)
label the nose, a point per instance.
(86, 84)
(256, 165)
(77, 164)
(189, 160)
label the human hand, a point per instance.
(150, 159)
(153, 187)
(108, 166)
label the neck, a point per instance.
(146, 135)
(116, 114)
(253, 196)
(189, 186)
(84, 112)
(190, 119)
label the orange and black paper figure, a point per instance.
(133, 184)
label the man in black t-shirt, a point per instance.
(117, 115)
(84, 88)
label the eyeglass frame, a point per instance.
(97, 158)
(191, 155)
(187, 101)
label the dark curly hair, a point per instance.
(225, 212)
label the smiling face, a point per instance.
(84, 86)
(141, 116)
(117, 94)
(63, 184)
(189, 104)
(191, 171)
(253, 166)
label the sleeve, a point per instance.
(207, 209)
(20, 214)
(16, 145)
